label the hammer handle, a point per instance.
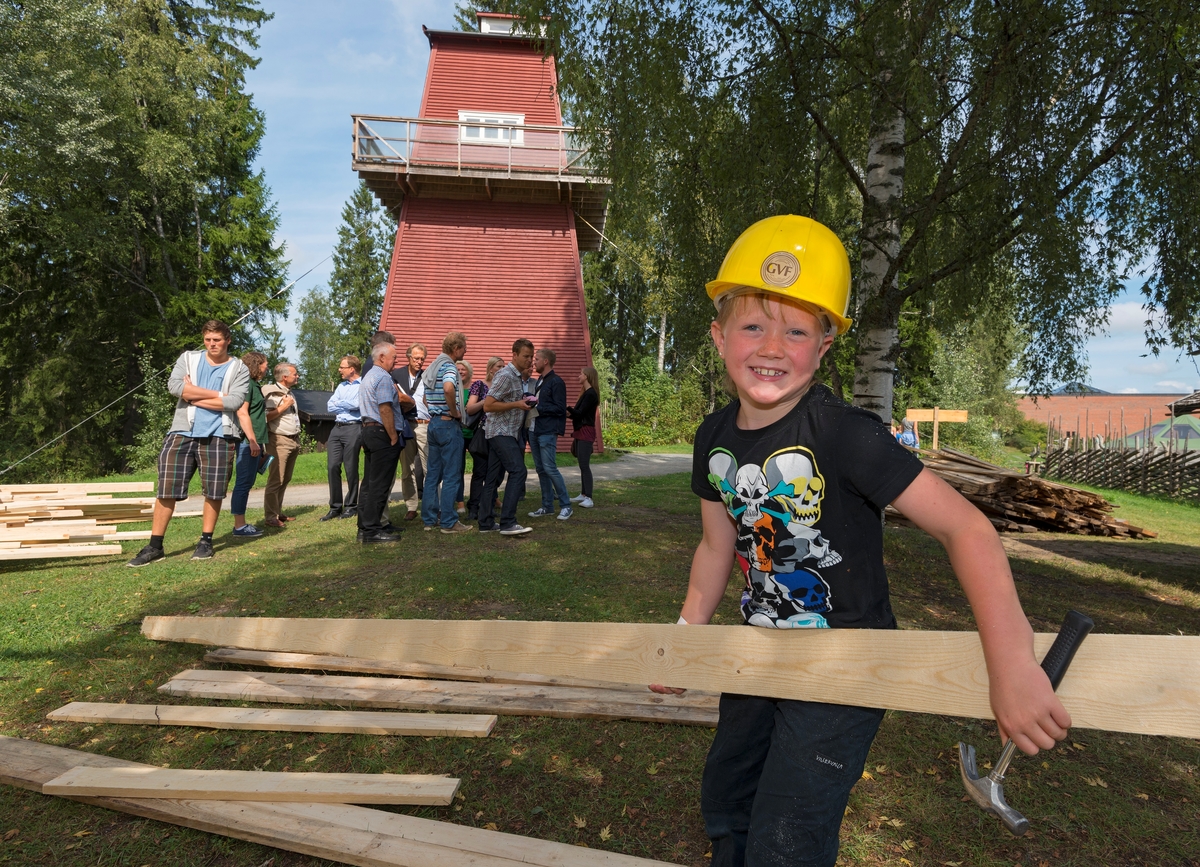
(1074, 629)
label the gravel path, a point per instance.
(629, 466)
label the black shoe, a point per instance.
(331, 514)
(147, 555)
(350, 513)
(378, 538)
(360, 535)
(204, 550)
(392, 529)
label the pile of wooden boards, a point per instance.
(1140, 684)
(1016, 502)
(63, 520)
(417, 686)
(339, 832)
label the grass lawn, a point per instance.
(70, 631)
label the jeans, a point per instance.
(246, 470)
(504, 456)
(583, 452)
(778, 777)
(445, 470)
(545, 455)
(342, 448)
(379, 474)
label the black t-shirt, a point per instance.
(807, 493)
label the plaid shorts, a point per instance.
(182, 455)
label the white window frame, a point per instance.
(480, 135)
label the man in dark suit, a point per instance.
(550, 424)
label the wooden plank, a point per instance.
(47, 552)
(951, 415)
(286, 720)
(275, 786)
(348, 834)
(81, 487)
(1145, 684)
(317, 662)
(503, 699)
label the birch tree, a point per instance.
(984, 160)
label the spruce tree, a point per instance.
(360, 269)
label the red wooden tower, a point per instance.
(495, 200)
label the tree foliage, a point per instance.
(987, 161)
(129, 209)
(361, 262)
(319, 341)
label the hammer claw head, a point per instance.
(988, 793)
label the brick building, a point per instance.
(1099, 413)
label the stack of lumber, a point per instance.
(42, 521)
(1016, 502)
(1143, 684)
(456, 689)
(339, 832)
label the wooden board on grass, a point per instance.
(47, 552)
(221, 785)
(318, 662)
(385, 692)
(280, 720)
(1144, 684)
(348, 834)
(79, 488)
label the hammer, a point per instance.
(988, 792)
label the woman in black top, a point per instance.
(583, 417)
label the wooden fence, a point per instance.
(1156, 472)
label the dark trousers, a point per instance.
(479, 473)
(342, 450)
(778, 777)
(504, 456)
(379, 472)
(583, 452)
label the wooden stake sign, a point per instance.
(937, 415)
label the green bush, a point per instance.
(1026, 435)
(625, 434)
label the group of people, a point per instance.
(792, 483)
(424, 420)
(224, 418)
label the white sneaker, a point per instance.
(586, 503)
(565, 513)
(540, 513)
(516, 530)
(578, 499)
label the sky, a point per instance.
(323, 61)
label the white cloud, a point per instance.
(1150, 368)
(1175, 385)
(349, 57)
(1126, 317)
(1128, 391)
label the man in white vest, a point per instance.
(209, 387)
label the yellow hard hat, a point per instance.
(791, 256)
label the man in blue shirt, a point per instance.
(384, 433)
(209, 387)
(344, 441)
(444, 396)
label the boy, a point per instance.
(792, 481)
(209, 386)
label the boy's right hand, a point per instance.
(666, 690)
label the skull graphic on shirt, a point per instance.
(779, 550)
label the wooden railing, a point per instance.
(501, 149)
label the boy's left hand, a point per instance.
(1027, 710)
